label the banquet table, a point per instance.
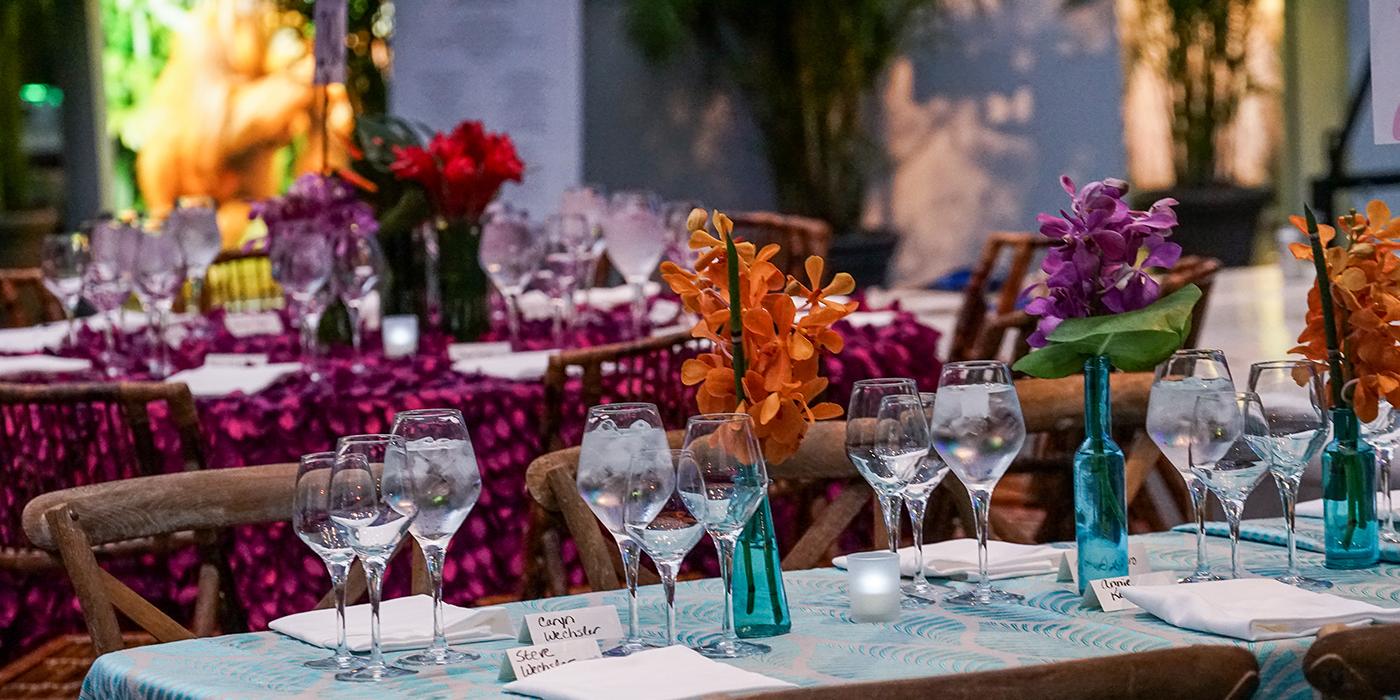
(824, 647)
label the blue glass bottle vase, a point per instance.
(760, 603)
(1100, 498)
(1349, 496)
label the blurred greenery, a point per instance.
(806, 68)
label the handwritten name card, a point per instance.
(1107, 593)
(523, 662)
(599, 622)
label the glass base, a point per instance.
(373, 674)
(1390, 536)
(1305, 583)
(1199, 576)
(438, 657)
(983, 596)
(628, 647)
(732, 649)
(337, 662)
(918, 595)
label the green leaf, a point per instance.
(1134, 341)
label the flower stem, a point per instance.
(1329, 327)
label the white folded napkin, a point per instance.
(404, 623)
(957, 559)
(516, 365)
(47, 364)
(216, 380)
(1253, 609)
(470, 351)
(877, 319)
(670, 673)
(248, 324)
(33, 338)
(1313, 508)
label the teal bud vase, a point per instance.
(760, 603)
(1349, 496)
(1100, 498)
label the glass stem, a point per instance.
(557, 327)
(197, 293)
(1383, 457)
(433, 556)
(68, 316)
(889, 507)
(631, 559)
(1233, 510)
(639, 307)
(352, 312)
(513, 319)
(725, 547)
(667, 570)
(1288, 494)
(1198, 504)
(916, 506)
(162, 349)
(339, 571)
(374, 572)
(110, 334)
(981, 509)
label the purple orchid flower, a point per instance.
(321, 205)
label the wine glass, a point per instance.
(636, 239)
(311, 520)
(301, 263)
(862, 416)
(676, 216)
(358, 266)
(63, 261)
(510, 254)
(373, 525)
(978, 430)
(1170, 412)
(568, 236)
(656, 517)
(1382, 433)
(1290, 392)
(194, 222)
(904, 422)
(613, 435)
(723, 479)
(435, 485)
(159, 274)
(1230, 453)
(107, 280)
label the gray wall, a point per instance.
(1365, 156)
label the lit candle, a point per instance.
(872, 580)
(400, 335)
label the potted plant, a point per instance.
(23, 222)
(1200, 48)
(806, 69)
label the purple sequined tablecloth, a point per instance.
(274, 573)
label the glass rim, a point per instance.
(1197, 352)
(612, 407)
(975, 364)
(885, 381)
(719, 417)
(882, 555)
(323, 454)
(1273, 364)
(365, 437)
(428, 412)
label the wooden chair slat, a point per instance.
(813, 549)
(1354, 663)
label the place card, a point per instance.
(1137, 563)
(235, 359)
(1107, 593)
(251, 324)
(598, 622)
(523, 662)
(471, 351)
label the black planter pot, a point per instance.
(864, 254)
(1219, 222)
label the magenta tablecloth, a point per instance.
(275, 574)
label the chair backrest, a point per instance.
(798, 236)
(822, 458)
(635, 370)
(241, 281)
(1022, 248)
(1354, 663)
(1217, 672)
(24, 301)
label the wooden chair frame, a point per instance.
(973, 314)
(24, 301)
(1354, 663)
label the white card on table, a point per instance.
(235, 359)
(1137, 563)
(598, 622)
(1107, 594)
(522, 662)
(245, 325)
(471, 351)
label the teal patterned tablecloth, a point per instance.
(825, 646)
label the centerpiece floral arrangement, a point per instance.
(1358, 274)
(1099, 307)
(764, 361)
(315, 204)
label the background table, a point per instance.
(824, 646)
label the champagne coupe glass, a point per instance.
(63, 261)
(311, 520)
(510, 254)
(1170, 412)
(613, 435)
(656, 517)
(358, 266)
(159, 275)
(862, 416)
(904, 426)
(722, 480)
(301, 263)
(436, 485)
(1230, 453)
(636, 238)
(373, 526)
(194, 223)
(1382, 433)
(107, 280)
(978, 430)
(1290, 392)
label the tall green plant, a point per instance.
(806, 68)
(1200, 49)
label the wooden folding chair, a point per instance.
(1189, 673)
(1354, 663)
(24, 301)
(1022, 249)
(798, 237)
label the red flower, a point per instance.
(461, 171)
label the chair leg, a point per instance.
(86, 576)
